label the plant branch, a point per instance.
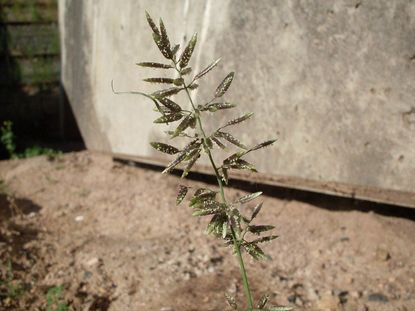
(236, 241)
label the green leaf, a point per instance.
(152, 24)
(217, 106)
(230, 139)
(169, 118)
(260, 228)
(188, 51)
(185, 71)
(263, 145)
(248, 197)
(171, 105)
(164, 148)
(155, 65)
(239, 120)
(164, 42)
(167, 92)
(192, 161)
(159, 80)
(255, 251)
(207, 69)
(182, 194)
(256, 211)
(183, 125)
(224, 85)
(231, 301)
(263, 301)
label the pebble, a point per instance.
(382, 254)
(378, 297)
(79, 218)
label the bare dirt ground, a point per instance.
(113, 237)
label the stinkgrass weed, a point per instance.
(227, 221)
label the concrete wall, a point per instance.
(334, 80)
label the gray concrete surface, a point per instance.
(333, 80)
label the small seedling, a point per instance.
(10, 288)
(228, 222)
(54, 299)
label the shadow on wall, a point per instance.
(319, 200)
(31, 95)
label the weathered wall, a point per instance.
(334, 80)
(30, 67)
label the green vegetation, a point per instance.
(228, 221)
(54, 301)
(8, 139)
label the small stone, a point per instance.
(382, 254)
(79, 218)
(328, 302)
(166, 309)
(379, 297)
(92, 261)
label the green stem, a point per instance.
(237, 243)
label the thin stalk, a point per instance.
(237, 243)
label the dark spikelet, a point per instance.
(231, 301)
(175, 49)
(255, 251)
(193, 86)
(154, 65)
(167, 92)
(218, 142)
(164, 148)
(263, 145)
(260, 228)
(183, 125)
(165, 42)
(239, 120)
(182, 194)
(241, 164)
(217, 106)
(152, 24)
(188, 51)
(159, 80)
(169, 118)
(185, 71)
(171, 105)
(248, 197)
(174, 163)
(207, 69)
(224, 85)
(262, 301)
(256, 211)
(230, 139)
(265, 239)
(192, 161)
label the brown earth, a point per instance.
(112, 236)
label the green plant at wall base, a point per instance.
(8, 139)
(227, 221)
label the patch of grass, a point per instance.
(10, 288)
(54, 300)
